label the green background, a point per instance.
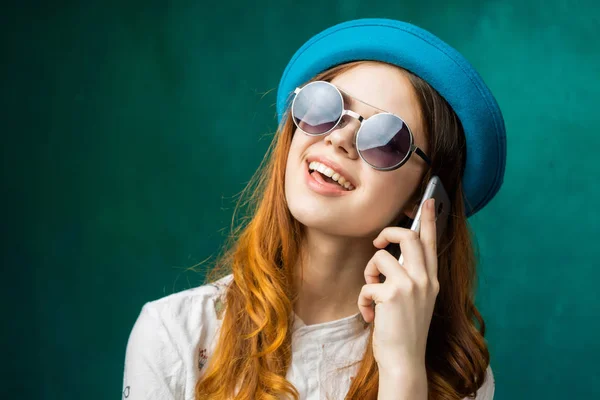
(130, 126)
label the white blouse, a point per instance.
(174, 336)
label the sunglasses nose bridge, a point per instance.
(347, 117)
(352, 114)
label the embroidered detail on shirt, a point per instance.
(126, 392)
(219, 307)
(202, 358)
(219, 300)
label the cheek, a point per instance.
(390, 193)
(299, 144)
(294, 164)
(385, 198)
(294, 154)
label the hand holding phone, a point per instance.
(434, 190)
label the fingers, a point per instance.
(387, 293)
(374, 293)
(412, 249)
(385, 263)
(429, 238)
(365, 302)
(416, 278)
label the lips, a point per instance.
(317, 184)
(318, 176)
(334, 166)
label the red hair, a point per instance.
(253, 351)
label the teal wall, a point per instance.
(128, 128)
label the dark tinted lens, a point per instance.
(384, 140)
(317, 108)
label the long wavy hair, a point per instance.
(253, 351)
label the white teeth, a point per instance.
(327, 171)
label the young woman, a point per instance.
(310, 301)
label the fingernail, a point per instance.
(431, 203)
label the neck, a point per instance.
(329, 276)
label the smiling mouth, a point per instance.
(321, 174)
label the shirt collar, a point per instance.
(340, 329)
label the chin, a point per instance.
(327, 221)
(311, 214)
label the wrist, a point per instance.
(402, 383)
(414, 370)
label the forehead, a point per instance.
(383, 86)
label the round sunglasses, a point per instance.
(384, 140)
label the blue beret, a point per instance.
(433, 60)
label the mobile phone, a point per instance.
(435, 190)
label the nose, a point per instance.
(343, 137)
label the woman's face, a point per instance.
(379, 197)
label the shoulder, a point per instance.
(182, 316)
(190, 307)
(487, 388)
(170, 340)
(486, 391)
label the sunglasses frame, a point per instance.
(413, 148)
